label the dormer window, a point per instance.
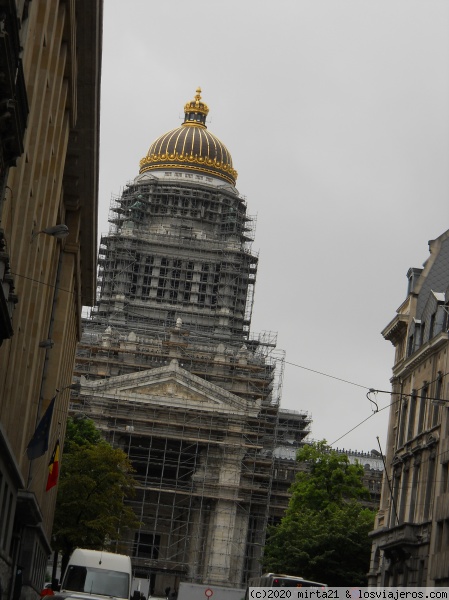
(412, 276)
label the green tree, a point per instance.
(324, 533)
(94, 483)
(80, 431)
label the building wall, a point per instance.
(170, 371)
(410, 536)
(213, 467)
(197, 418)
(51, 65)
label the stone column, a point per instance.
(225, 542)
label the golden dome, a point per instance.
(191, 147)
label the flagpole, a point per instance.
(48, 346)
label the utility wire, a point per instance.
(370, 389)
(401, 396)
(366, 387)
(361, 422)
(51, 285)
(354, 428)
(392, 498)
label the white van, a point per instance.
(97, 574)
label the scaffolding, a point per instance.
(211, 281)
(171, 373)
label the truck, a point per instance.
(198, 591)
(95, 575)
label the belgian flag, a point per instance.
(53, 468)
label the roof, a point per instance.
(191, 147)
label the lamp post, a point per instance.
(58, 231)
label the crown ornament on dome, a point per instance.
(196, 111)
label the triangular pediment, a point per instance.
(170, 385)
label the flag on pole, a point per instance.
(38, 445)
(53, 468)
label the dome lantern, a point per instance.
(196, 111)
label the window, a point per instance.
(402, 421)
(190, 267)
(432, 326)
(96, 581)
(411, 345)
(437, 402)
(429, 486)
(404, 494)
(147, 545)
(422, 407)
(411, 416)
(204, 273)
(415, 482)
(444, 478)
(394, 517)
(419, 328)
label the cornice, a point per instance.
(404, 368)
(189, 161)
(395, 330)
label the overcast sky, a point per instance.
(336, 114)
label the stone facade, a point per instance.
(410, 536)
(50, 58)
(170, 371)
